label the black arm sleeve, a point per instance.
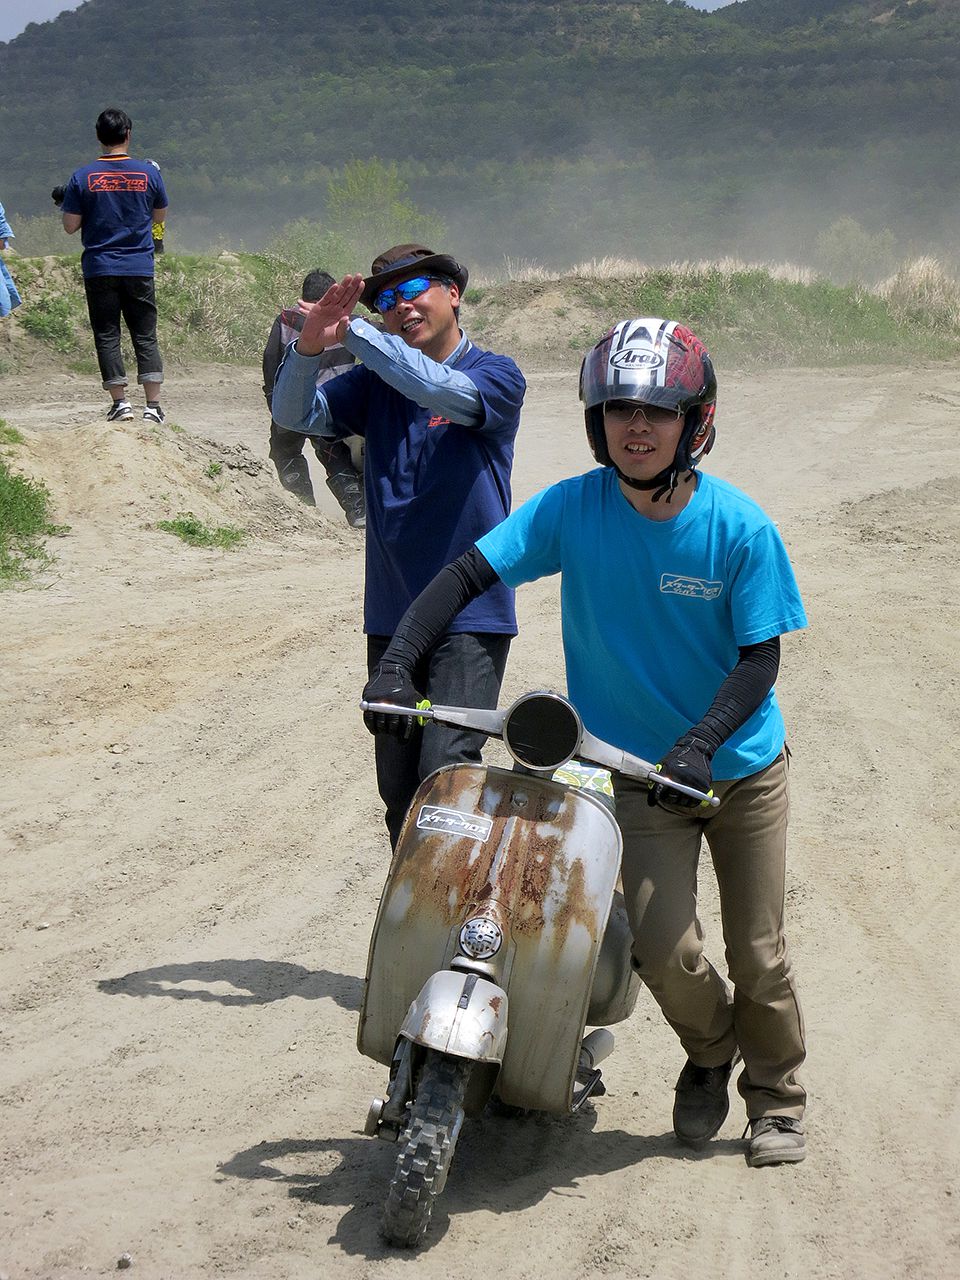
(437, 605)
(272, 355)
(740, 694)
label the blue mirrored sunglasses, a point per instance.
(407, 290)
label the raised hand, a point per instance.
(327, 319)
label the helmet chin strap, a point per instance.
(664, 483)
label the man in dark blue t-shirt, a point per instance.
(439, 417)
(114, 204)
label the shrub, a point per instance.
(24, 521)
(52, 319)
(922, 291)
(9, 435)
(305, 244)
(849, 254)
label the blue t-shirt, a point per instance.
(654, 612)
(433, 486)
(116, 197)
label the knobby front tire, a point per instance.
(426, 1149)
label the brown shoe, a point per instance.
(702, 1102)
(776, 1140)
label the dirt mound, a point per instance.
(542, 321)
(925, 518)
(139, 474)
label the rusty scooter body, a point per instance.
(499, 938)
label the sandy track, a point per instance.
(179, 1077)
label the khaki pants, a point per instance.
(746, 835)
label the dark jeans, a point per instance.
(462, 670)
(132, 297)
(286, 453)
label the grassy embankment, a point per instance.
(211, 308)
(746, 314)
(221, 308)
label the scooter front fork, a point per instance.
(387, 1116)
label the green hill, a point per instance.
(545, 129)
(222, 307)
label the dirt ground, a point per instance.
(193, 852)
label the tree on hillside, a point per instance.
(367, 210)
(369, 206)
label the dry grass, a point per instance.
(923, 289)
(614, 268)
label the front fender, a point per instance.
(459, 1014)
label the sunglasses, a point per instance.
(622, 412)
(387, 299)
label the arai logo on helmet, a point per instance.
(637, 358)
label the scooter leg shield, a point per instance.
(615, 984)
(459, 1014)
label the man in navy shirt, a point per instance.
(439, 417)
(114, 204)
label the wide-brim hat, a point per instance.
(405, 260)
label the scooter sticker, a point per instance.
(454, 823)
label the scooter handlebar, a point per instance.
(599, 752)
(595, 750)
(488, 722)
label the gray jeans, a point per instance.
(132, 299)
(746, 836)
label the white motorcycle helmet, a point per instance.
(657, 362)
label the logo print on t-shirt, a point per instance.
(438, 421)
(111, 180)
(678, 584)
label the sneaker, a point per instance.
(152, 413)
(775, 1140)
(120, 411)
(348, 491)
(701, 1102)
(356, 513)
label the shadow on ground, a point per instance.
(253, 981)
(503, 1165)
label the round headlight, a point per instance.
(542, 731)
(481, 938)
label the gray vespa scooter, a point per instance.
(499, 937)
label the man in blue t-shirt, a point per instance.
(439, 418)
(114, 203)
(675, 590)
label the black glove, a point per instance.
(391, 682)
(57, 194)
(687, 761)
